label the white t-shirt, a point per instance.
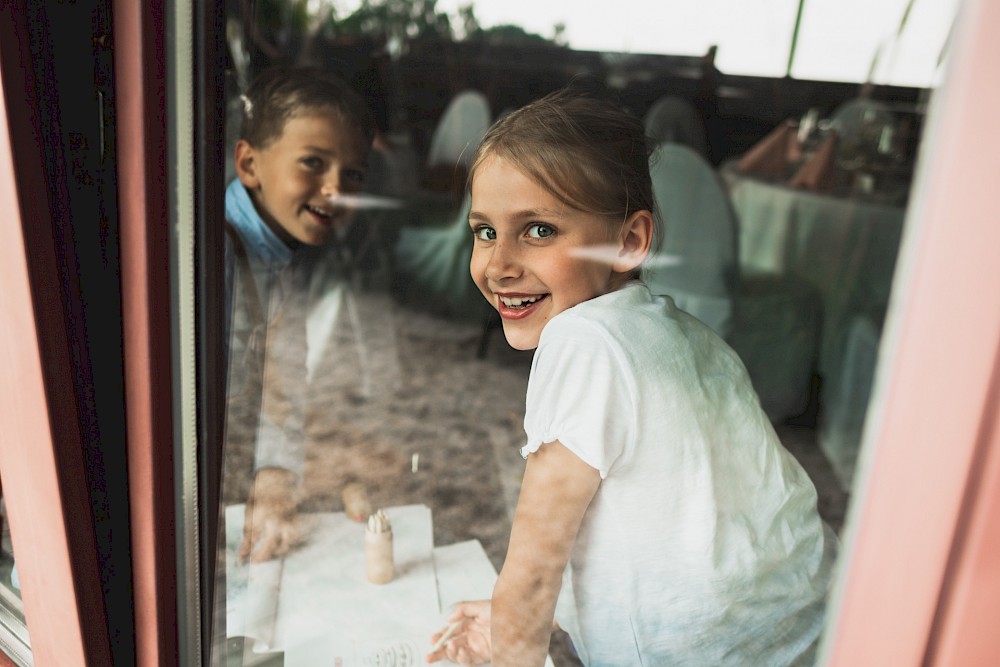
(703, 545)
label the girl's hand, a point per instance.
(470, 642)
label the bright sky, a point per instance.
(838, 39)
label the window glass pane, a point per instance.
(367, 372)
(11, 606)
(897, 42)
(752, 37)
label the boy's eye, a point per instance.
(485, 233)
(354, 178)
(540, 231)
(312, 162)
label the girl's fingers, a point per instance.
(461, 612)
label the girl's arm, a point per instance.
(557, 489)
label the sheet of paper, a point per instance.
(320, 589)
(251, 590)
(325, 593)
(319, 609)
(361, 652)
(464, 573)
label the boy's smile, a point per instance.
(527, 258)
(297, 180)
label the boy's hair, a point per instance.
(279, 94)
(585, 150)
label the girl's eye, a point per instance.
(540, 231)
(485, 233)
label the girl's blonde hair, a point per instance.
(584, 150)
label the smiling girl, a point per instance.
(660, 521)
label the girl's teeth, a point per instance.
(514, 302)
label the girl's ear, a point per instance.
(246, 165)
(635, 242)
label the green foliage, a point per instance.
(284, 30)
(398, 19)
(407, 20)
(510, 35)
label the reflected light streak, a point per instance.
(366, 202)
(609, 254)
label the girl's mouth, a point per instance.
(514, 307)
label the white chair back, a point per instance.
(459, 130)
(697, 263)
(675, 120)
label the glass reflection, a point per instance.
(11, 605)
(411, 401)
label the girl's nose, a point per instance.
(503, 262)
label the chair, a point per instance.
(771, 322)
(456, 136)
(432, 267)
(675, 120)
(697, 263)
(847, 399)
(432, 261)
(776, 332)
(459, 130)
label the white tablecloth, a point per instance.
(845, 248)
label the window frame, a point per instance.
(148, 308)
(916, 558)
(42, 447)
(905, 619)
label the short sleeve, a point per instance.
(580, 393)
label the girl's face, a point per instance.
(533, 257)
(298, 181)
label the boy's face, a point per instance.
(296, 179)
(533, 257)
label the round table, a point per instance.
(844, 247)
